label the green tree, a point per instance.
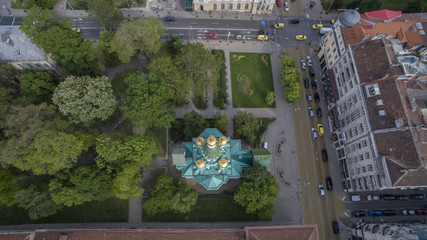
(200, 67)
(147, 103)
(414, 6)
(45, 4)
(163, 70)
(9, 76)
(270, 99)
(257, 192)
(105, 13)
(194, 124)
(51, 151)
(5, 103)
(85, 100)
(82, 184)
(8, 188)
(246, 127)
(174, 44)
(142, 35)
(111, 58)
(170, 196)
(290, 76)
(126, 184)
(37, 86)
(220, 122)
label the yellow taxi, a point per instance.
(76, 29)
(320, 129)
(262, 37)
(301, 37)
(317, 26)
(279, 25)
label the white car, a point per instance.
(372, 197)
(321, 190)
(303, 65)
(309, 62)
(286, 6)
(313, 134)
(408, 212)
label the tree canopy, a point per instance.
(170, 195)
(194, 124)
(127, 181)
(133, 37)
(85, 100)
(220, 122)
(290, 76)
(246, 127)
(105, 13)
(8, 188)
(37, 86)
(147, 103)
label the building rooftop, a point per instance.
(384, 14)
(349, 18)
(16, 46)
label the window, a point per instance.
(364, 143)
(358, 170)
(356, 132)
(348, 149)
(353, 148)
(215, 6)
(354, 98)
(367, 155)
(231, 6)
(222, 6)
(355, 160)
(352, 171)
(350, 132)
(238, 6)
(357, 113)
(364, 169)
(370, 168)
(350, 160)
(361, 128)
(258, 7)
(247, 6)
(361, 158)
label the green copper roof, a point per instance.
(210, 174)
(261, 157)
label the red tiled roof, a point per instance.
(17, 236)
(353, 34)
(384, 14)
(308, 232)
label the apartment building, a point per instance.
(250, 6)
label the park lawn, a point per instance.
(118, 83)
(207, 209)
(111, 210)
(258, 80)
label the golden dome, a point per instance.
(222, 140)
(200, 141)
(223, 163)
(200, 164)
(211, 141)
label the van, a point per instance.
(335, 227)
(324, 155)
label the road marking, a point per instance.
(13, 20)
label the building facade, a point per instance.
(249, 6)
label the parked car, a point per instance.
(355, 198)
(402, 197)
(324, 155)
(329, 184)
(262, 37)
(306, 83)
(240, 37)
(311, 72)
(319, 112)
(359, 213)
(320, 129)
(294, 21)
(389, 212)
(309, 61)
(372, 197)
(279, 25)
(313, 133)
(313, 84)
(303, 65)
(335, 227)
(316, 97)
(375, 213)
(421, 212)
(169, 19)
(317, 26)
(286, 6)
(387, 197)
(310, 112)
(77, 30)
(211, 35)
(408, 212)
(321, 190)
(309, 98)
(418, 196)
(301, 37)
(279, 3)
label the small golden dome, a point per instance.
(223, 163)
(211, 141)
(200, 164)
(222, 140)
(200, 141)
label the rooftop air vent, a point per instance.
(392, 149)
(379, 102)
(381, 112)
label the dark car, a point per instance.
(319, 111)
(311, 72)
(418, 196)
(313, 84)
(324, 155)
(389, 212)
(263, 32)
(306, 83)
(387, 197)
(402, 197)
(421, 212)
(169, 19)
(335, 227)
(294, 21)
(359, 213)
(329, 184)
(316, 97)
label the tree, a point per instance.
(259, 189)
(270, 99)
(163, 70)
(5, 103)
(221, 122)
(45, 4)
(200, 67)
(85, 100)
(8, 188)
(126, 183)
(194, 124)
(9, 76)
(174, 44)
(82, 184)
(246, 127)
(290, 76)
(133, 37)
(147, 103)
(170, 196)
(106, 14)
(416, 6)
(111, 58)
(37, 86)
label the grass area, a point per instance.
(80, 4)
(119, 86)
(251, 79)
(111, 210)
(207, 209)
(159, 136)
